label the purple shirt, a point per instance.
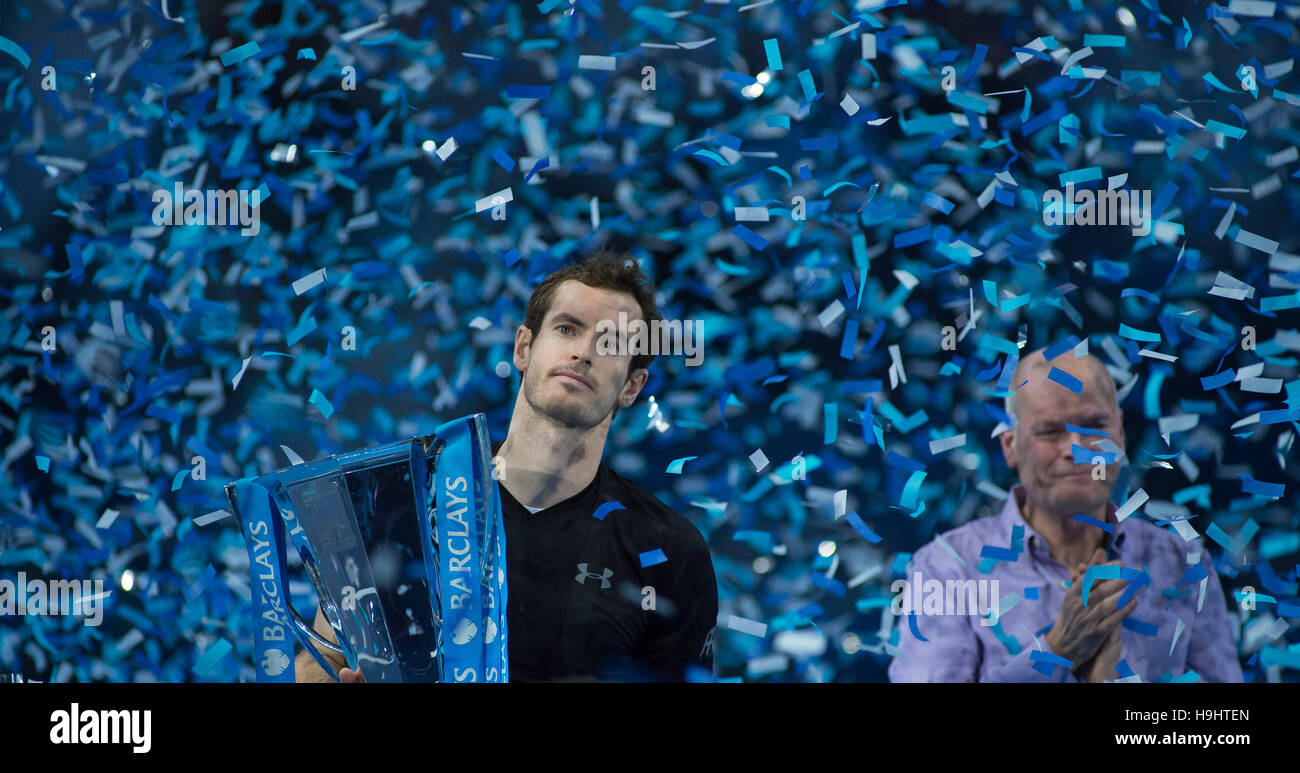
(960, 649)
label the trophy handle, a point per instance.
(303, 627)
(297, 619)
(306, 628)
(309, 564)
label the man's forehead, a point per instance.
(1032, 383)
(1034, 367)
(580, 300)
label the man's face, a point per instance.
(565, 375)
(1039, 447)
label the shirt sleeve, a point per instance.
(1212, 650)
(679, 646)
(1021, 669)
(952, 652)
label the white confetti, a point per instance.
(61, 162)
(767, 664)
(1279, 627)
(752, 214)
(493, 199)
(831, 313)
(1267, 386)
(212, 517)
(896, 373)
(1157, 355)
(864, 575)
(943, 543)
(991, 490)
(1178, 631)
(744, 625)
(352, 35)
(1185, 530)
(304, 284)
(1179, 423)
(947, 444)
(240, 375)
(447, 148)
(590, 62)
(1131, 505)
(119, 326)
(1262, 8)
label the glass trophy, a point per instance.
(387, 559)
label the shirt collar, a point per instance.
(1011, 516)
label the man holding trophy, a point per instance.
(605, 582)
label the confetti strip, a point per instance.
(947, 444)
(653, 558)
(306, 283)
(317, 399)
(1131, 505)
(212, 517)
(240, 53)
(675, 466)
(16, 51)
(743, 625)
(606, 508)
(234, 383)
(1066, 380)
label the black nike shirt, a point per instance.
(581, 606)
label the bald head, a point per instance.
(1034, 368)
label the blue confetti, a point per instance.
(606, 508)
(653, 557)
(1066, 380)
(240, 53)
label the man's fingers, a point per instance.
(1111, 603)
(1104, 607)
(1117, 617)
(349, 676)
(1083, 568)
(1113, 615)
(1102, 590)
(1074, 589)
